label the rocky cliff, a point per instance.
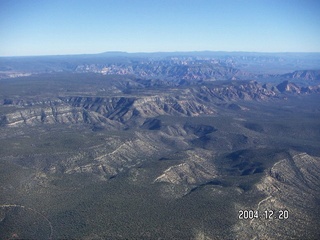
(292, 184)
(114, 111)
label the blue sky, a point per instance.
(34, 27)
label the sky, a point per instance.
(34, 27)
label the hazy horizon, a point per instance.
(159, 52)
(42, 28)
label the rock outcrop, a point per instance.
(292, 184)
(195, 170)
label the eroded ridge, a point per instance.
(292, 184)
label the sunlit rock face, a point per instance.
(292, 185)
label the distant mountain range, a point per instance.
(200, 66)
(313, 75)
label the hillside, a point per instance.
(88, 155)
